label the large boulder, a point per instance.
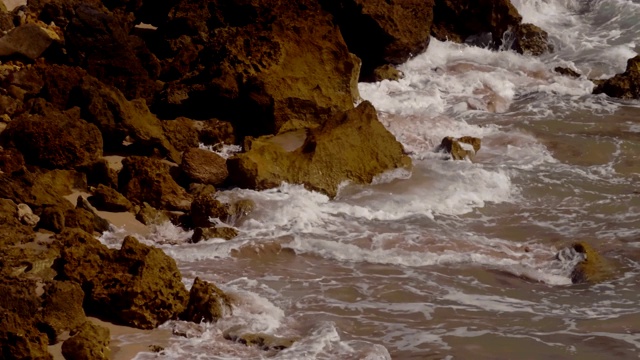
(126, 126)
(137, 285)
(29, 40)
(149, 180)
(203, 166)
(263, 64)
(487, 23)
(20, 339)
(59, 140)
(353, 146)
(383, 32)
(206, 303)
(98, 40)
(625, 85)
(88, 342)
(11, 161)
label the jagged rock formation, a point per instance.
(625, 85)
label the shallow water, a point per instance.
(456, 259)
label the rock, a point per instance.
(99, 224)
(26, 216)
(61, 308)
(460, 148)
(150, 216)
(119, 119)
(264, 342)
(458, 20)
(20, 339)
(182, 133)
(19, 335)
(567, 72)
(531, 40)
(107, 199)
(239, 210)
(89, 342)
(148, 180)
(29, 40)
(592, 269)
(204, 207)
(3, 8)
(58, 140)
(203, 166)
(137, 286)
(41, 189)
(53, 219)
(96, 41)
(214, 131)
(200, 234)
(206, 303)
(625, 85)
(383, 32)
(11, 161)
(387, 72)
(263, 64)
(353, 146)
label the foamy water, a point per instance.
(455, 259)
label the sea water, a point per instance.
(456, 259)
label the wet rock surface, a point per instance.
(625, 85)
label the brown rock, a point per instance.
(387, 72)
(99, 224)
(56, 141)
(29, 40)
(206, 303)
(224, 232)
(460, 148)
(61, 308)
(148, 180)
(26, 216)
(353, 146)
(625, 85)
(531, 40)
(150, 216)
(107, 199)
(383, 32)
(137, 285)
(20, 339)
(593, 269)
(89, 342)
(11, 161)
(119, 119)
(41, 189)
(214, 131)
(52, 218)
(203, 166)
(205, 206)
(457, 20)
(96, 41)
(567, 72)
(264, 342)
(182, 133)
(271, 62)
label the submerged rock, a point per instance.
(353, 146)
(531, 40)
(387, 72)
(222, 232)
(625, 85)
(592, 269)
(460, 148)
(263, 341)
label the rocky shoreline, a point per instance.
(107, 107)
